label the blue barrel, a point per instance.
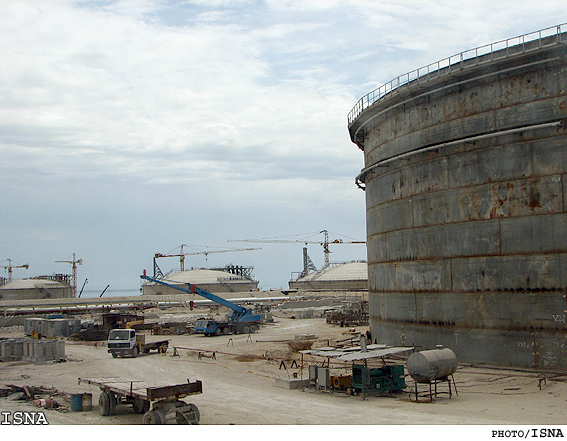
(76, 402)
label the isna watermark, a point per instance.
(23, 418)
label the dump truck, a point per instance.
(123, 342)
(164, 400)
(241, 321)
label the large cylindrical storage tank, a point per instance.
(466, 197)
(28, 289)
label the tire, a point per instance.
(182, 418)
(135, 351)
(114, 355)
(104, 404)
(162, 349)
(238, 329)
(140, 405)
(154, 417)
(225, 330)
(197, 413)
(113, 403)
(246, 329)
(218, 332)
(253, 328)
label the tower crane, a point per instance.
(324, 243)
(73, 263)
(10, 267)
(182, 255)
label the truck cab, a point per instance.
(123, 342)
(206, 326)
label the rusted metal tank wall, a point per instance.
(467, 229)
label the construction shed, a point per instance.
(351, 276)
(212, 280)
(28, 289)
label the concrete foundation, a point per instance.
(292, 384)
(466, 196)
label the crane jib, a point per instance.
(195, 290)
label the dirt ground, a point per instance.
(239, 384)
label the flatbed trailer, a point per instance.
(164, 400)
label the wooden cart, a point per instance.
(165, 401)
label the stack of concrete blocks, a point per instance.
(52, 327)
(12, 349)
(43, 350)
(32, 324)
(26, 349)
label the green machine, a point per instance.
(386, 379)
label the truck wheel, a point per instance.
(140, 405)
(246, 329)
(113, 403)
(218, 332)
(253, 328)
(135, 351)
(104, 404)
(225, 330)
(188, 417)
(154, 417)
(114, 355)
(107, 404)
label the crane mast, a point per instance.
(10, 267)
(73, 263)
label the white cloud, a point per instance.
(139, 125)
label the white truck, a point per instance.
(123, 342)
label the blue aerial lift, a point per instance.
(241, 321)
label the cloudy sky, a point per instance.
(131, 127)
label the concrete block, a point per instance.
(291, 384)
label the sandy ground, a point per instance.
(239, 385)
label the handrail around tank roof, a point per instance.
(449, 65)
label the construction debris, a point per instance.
(45, 397)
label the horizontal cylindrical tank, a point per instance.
(426, 366)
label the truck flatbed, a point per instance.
(164, 399)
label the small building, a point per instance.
(350, 276)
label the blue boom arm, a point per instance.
(192, 289)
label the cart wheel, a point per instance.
(140, 405)
(154, 417)
(218, 332)
(135, 351)
(104, 404)
(192, 416)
